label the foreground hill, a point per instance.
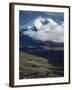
(32, 66)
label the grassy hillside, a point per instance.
(31, 66)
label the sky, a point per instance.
(27, 17)
(50, 25)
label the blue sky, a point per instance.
(27, 17)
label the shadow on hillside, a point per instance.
(55, 57)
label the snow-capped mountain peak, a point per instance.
(45, 29)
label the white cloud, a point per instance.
(52, 31)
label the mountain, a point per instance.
(44, 40)
(34, 28)
(44, 32)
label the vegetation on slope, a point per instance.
(32, 66)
